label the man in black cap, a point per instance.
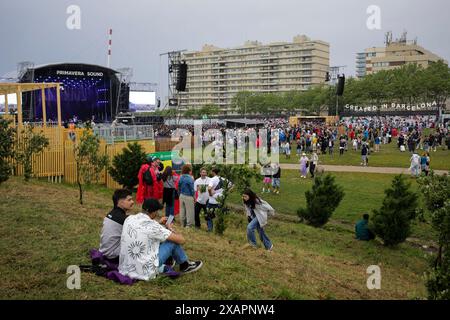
(146, 245)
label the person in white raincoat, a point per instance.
(257, 211)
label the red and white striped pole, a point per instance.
(109, 47)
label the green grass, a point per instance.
(364, 192)
(389, 156)
(44, 230)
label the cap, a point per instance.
(151, 205)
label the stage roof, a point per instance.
(9, 88)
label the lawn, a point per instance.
(389, 156)
(364, 192)
(45, 230)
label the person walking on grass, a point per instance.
(377, 143)
(425, 163)
(364, 154)
(287, 147)
(147, 245)
(201, 189)
(342, 143)
(276, 178)
(313, 164)
(258, 211)
(170, 194)
(267, 182)
(415, 164)
(303, 165)
(186, 192)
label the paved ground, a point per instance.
(291, 166)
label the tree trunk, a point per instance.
(438, 261)
(81, 192)
(79, 184)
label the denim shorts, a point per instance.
(276, 182)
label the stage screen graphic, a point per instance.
(142, 101)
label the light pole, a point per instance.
(245, 108)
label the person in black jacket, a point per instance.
(276, 178)
(364, 153)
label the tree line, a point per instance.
(408, 84)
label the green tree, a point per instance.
(31, 143)
(321, 201)
(436, 192)
(436, 82)
(89, 161)
(241, 177)
(125, 166)
(7, 134)
(392, 222)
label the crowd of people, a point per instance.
(144, 246)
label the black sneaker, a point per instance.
(170, 262)
(192, 266)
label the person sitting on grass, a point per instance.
(113, 223)
(362, 230)
(147, 245)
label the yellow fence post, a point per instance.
(58, 103)
(19, 107)
(44, 108)
(6, 105)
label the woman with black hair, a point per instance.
(170, 179)
(258, 212)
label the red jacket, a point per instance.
(145, 191)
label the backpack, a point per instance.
(147, 177)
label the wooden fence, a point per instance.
(57, 162)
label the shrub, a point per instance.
(6, 148)
(436, 191)
(392, 222)
(321, 201)
(31, 143)
(125, 166)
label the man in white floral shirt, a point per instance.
(146, 245)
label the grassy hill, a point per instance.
(44, 230)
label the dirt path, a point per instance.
(331, 168)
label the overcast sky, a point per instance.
(143, 29)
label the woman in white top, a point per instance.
(303, 165)
(258, 212)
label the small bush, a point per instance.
(7, 134)
(126, 165)
(321, 201)
(392, 222)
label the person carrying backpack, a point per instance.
(150, 183)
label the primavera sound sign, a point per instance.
(78, 73)
(392, 108)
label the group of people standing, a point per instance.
(181, 193)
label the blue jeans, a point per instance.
(254, 224)
(210, 215)
(170, 211)
(169, 249)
